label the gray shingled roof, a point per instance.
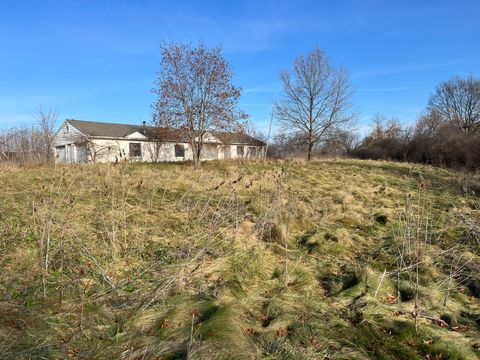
(112, 130)
(93, 128)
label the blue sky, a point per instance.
(97, 60)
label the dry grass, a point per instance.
(236, 260)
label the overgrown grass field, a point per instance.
(333, 259)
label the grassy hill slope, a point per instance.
(277, 260)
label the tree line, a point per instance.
(315, 113)
(27, 145)
(446, 134)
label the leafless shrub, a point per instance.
(46, 121)
(456, 272)
(30, 145)
(22, 146)
(447, 134)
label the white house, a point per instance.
(87, 141)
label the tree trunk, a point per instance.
(197, 151)
(309, 155)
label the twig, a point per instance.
(380, 284)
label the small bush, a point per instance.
(450, 319)
(331, 284)
(274, 233)
(407, 292)
(334, 284)
(467, 317)
(350, 279)
(330, 237)
(474, 287)
(309, 241)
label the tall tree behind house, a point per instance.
(195, 92)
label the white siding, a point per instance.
(102, 150)
(68, 135)
(136, 135)
(82, 153)
(248, 151)
(72, 146)
(69, 144)
(236, 153)
(210, 151)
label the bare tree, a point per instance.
(458, 101)
(383, 128)
(340, 142)
(46, 120)
(252, 130)
(23, 145)
(429, 123)
(316, 98)
(195, 92)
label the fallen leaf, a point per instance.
(261, 317)
(441, 323)
(459, 328)
(391, 299)
(87, 282)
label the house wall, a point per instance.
(210, 152)
(105, 150)
(66, 136)
(248, 151)
(69, 145)
(72, 146)
(81, 153)
(165, 152)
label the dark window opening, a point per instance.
(67, 128)
(239, 150)
(253, 151)
(135, 150)
(179, 150)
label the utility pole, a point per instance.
(268, 137)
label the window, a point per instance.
(135, 150)
(253, 151)
(67, 128)
(179, 150)
(239, 150)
